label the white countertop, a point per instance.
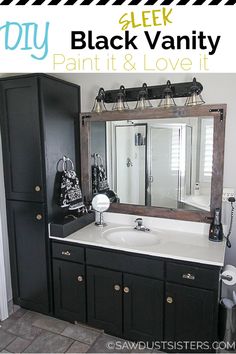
(180, 240)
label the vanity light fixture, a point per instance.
(143, 101)
(195, 97)
(99, 105)
(167, 97)
(120, 100)
(167, 93)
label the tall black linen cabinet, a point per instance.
(39, 124)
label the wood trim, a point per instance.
(217, 111)
(218, 160)
(85, 148)
(155, 113)
(199, 216)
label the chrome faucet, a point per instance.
(140, 226)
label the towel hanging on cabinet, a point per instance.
(70, 194)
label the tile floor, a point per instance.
(30, 332)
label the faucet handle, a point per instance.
(139, 221)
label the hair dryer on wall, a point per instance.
(216, 229)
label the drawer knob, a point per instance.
(39, 217)
(126, 290)
(37, 188)
(188, 276)
(117, 287)
(65, 253)
(169, 300)
(80, 278)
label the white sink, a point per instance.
(131, 237)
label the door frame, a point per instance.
(4, 313)
(3, 283)
(149, 155)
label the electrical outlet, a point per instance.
(227, 192)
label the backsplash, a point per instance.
(159, 223)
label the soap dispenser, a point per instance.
(216, 230)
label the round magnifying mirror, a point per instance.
(100, 203)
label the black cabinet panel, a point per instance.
(60, 106)
(69, 291)
(190, 313)
(22, 151)
(28, 252)
(104, 296)
(143, 308)
(192, 275)
(38, 126)
(68, 252)
(141, 265)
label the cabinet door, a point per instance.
(60, 107)
(21, 139)
(104, 288)
(69, 291)
(143, 308)
(190, 313)
(28, 252)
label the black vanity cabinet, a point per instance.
(39, 118)
(28, 257)
(69, 282)
(190, 314)
(114, 279)
(22, 143)
(138, 297)
(191, 302)
(108, 290)
(143, 308)
(105, 299)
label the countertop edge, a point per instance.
(147, 253)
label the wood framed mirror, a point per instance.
(176, 154)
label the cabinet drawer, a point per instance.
(126, 263)
(68, 252)
(192, 275)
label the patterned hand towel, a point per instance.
(99, 179)
(70, 192)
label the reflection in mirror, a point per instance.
(158, 162)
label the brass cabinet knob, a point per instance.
(169, 300)
(39, 216)
(65, 253)
(80, 278)
(126, 289)
(37, 188)
(117, 287)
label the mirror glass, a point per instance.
(157, 162)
